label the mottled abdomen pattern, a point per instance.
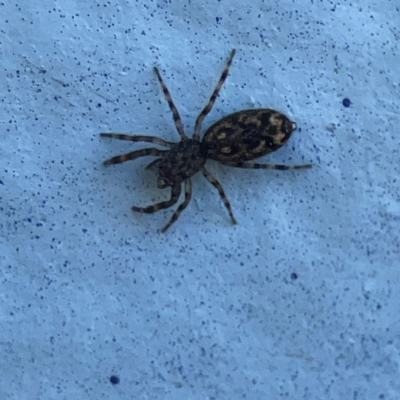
(248, 134)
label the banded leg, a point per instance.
(175, 113)
(177, 213)
(241, 164)
(211, 101)
(221, 192)
(138, 138)
(175, 193)
(135, 154)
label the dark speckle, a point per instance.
(293, 275)
(114, 379)
(346, 102)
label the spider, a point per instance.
(233, 140)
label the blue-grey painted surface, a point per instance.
(300, 300)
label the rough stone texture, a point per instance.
(298, 301)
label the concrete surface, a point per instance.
(300, 300)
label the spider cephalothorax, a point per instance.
(233, 140)
(185, 159)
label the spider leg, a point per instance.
(153, 164)
(138, 138)
(241, 164)
(177, 213)
(221, 192)
(211, 101)
(135, 154)
(175, 193)
(175, 113)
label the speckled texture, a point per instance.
(300, 300)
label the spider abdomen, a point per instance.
(248, 134)
(185, 159)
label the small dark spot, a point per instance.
(378, 306)
(346, 102)
(114, 379)
(293, 275)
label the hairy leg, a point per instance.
(135, 154)
(175, 193)
(211, 101)
(242, 164)
(168, 97)
(138, 138)
(221, 192)
(177, 213)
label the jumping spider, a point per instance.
(233, 140)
